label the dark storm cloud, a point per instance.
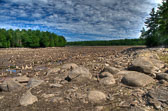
(79, 19)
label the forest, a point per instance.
(156, 32)
(124, 42)
(30, 38)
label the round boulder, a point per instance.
(96, 96)
(137, 79)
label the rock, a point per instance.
(163, 82)
(48, 95)
(1, 97)
(137, 79)
(80, 73)
(56, 85)
(21, 79)
(10, 85)
(160, 94)
(96, 96)
(28, 99)
(69, 66)
(57, 100)
(53, 70)
(108, 80)
(99, 108)
(105, 74)
(34, 83)
(142, 64)
(112, 70)
(137, 109)
(162, 76)
(155, 103)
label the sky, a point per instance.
(78, 20)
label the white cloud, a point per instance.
(94, 18)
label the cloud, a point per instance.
(82, 19)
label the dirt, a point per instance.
(72, 96)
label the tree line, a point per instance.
(30, 38)
(123, 42)
(156, 33)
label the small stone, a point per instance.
(105, 74)
(28, 99)
(99, 108)
(48, 95)
(137, 79)
(96, 96)
(107, 80)
(57, 100)
(155, 103)
(69, 66)
(163, 81)
(56, 85)
(1, 97)
(112, 70)
(79, 73)
(161, 76)
(34, 83)
(53, 70)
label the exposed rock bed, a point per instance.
(83, 79)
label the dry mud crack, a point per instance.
(83, 79)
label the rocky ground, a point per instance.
(84, 79)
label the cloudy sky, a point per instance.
(78, 20)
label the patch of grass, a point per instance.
(164, 58)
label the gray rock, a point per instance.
(160, 94)
(105, 74)
(80, 73)
(10, 85)
(28, 99)
(108, 80)
(56, 85)
(69, 66)
(155, 103)
(137, 79)
(112, 70)
(96, 96)
(162, 76)
(34, 83)
(21, 79)
(53, 70)
(143, 64)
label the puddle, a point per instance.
(11, 70)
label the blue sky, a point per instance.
(78, 20)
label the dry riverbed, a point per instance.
(83, 79)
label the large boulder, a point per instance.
(146, 65)
(143, 64)
(137, 79)
(96, 96)
(28, 99)
(10, 85)
(79, 73)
